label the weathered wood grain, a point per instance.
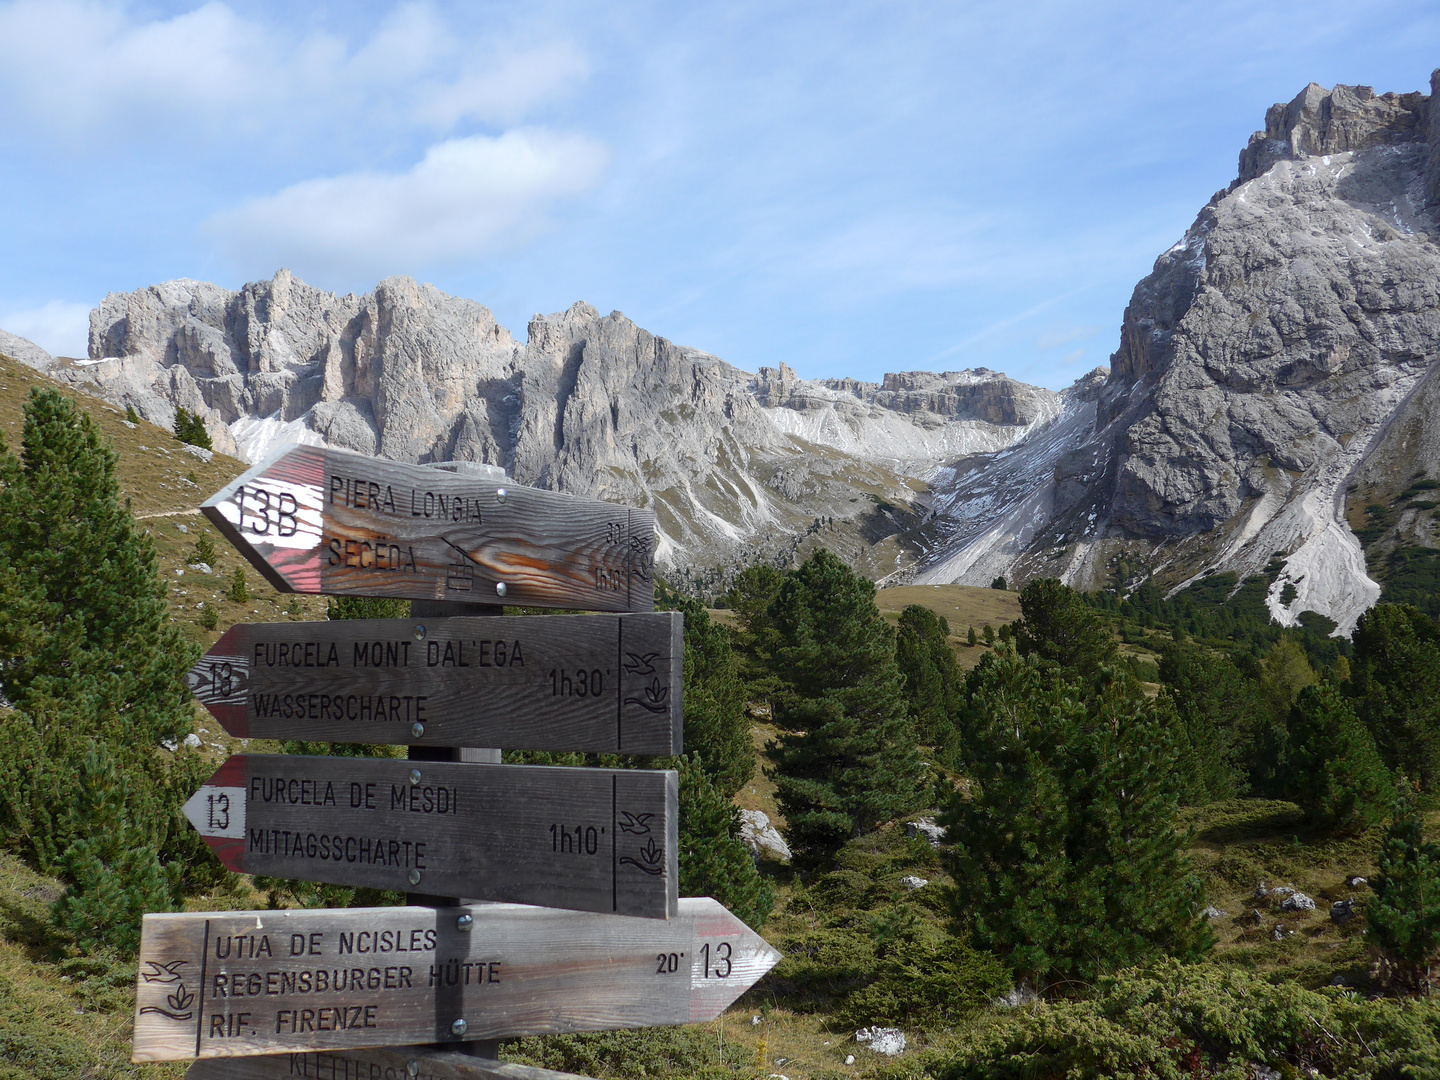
(316, 520)
(603, 683)
(371, 1064)
(238, 983)
(586, 839)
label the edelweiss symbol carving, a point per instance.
(179, 999)
(654, 698)
(650, 859)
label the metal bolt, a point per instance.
(500, 589)
(414, 777)
(458, 1027)
(500, 494)
(419, 631)
(412, 1067)
(416, 730)
(414, 877)
(464, 922)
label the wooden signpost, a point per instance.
(603, 683)
(237, 983)
(341, 992)
(316, 520)
(369, 1064)
(587, 839)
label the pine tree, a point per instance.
(1395, 680)
(365, 607)
(1402, 920)
(1219, 712)
(190, 428)
(239, 591)
(847, 760)
(970, 639)
(204, 550)
(95, 671)
(114, 869)
(1333, 770)
(714, 861)
(87, 652)
(1057, 627)
(716, 725)
(1068, 861)
(933, 681)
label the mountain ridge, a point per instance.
(1274, 374)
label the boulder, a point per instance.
(1342, 911)
(761, 837)
(883, 1040)
(1297, 902)
(926, 827)
(911, 882)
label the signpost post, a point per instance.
(602, 683)
(235, 983)
(333, 988)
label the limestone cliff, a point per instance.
(736, 465)
(1277, 355)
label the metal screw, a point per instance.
(414, 877)
(412, 1067)
(458, 1027)
(416, 730)
(500, 589)
(419, 631)
(414, 777)
(500, 494)
(464, 922)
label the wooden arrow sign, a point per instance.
(316, 520)
(588, 839)
(236, 983)
(373, 1064)
(565, 682)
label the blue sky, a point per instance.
(848, 188)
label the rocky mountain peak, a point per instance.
(1319, 122)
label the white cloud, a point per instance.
(87, 70)
(467, 198)
(60, 327)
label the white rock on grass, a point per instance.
(883, 1040)
(911, 882)
(761, 837)
(1210, 914)
(1297, 902)
(192, 741)
(198, 451)
(934, 834)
